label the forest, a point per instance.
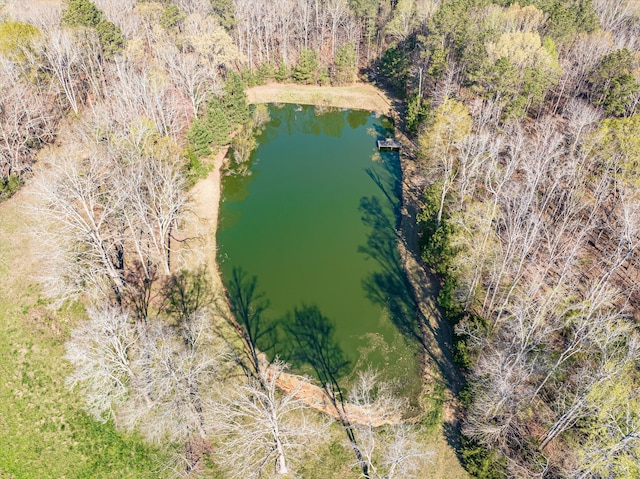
(523, 149)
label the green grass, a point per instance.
(334, 459)
(44, 432)
(432, 404)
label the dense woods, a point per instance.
(523, 121)
(530, 223)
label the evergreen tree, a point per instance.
(171, 18)
(281, 75)
(344, 71)
(394, 68)
(200, 138)
(234, 100)
(81, 13)
(307, 68)
(613, 83)
(111, 37)
(264, 73)
(218, 124)
(224, 11)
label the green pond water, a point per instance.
(315, 221)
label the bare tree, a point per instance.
(101, 350)
(149, 377)
(191, 74)
(63, 58)
(26, 122)
(143, 93)
(395, 451)
(178, 373)
(81, 228)
(110, 212)
(266, 433)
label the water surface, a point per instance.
(315, 221)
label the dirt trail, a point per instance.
(315, 397)
(205, 206)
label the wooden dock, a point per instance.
(389, 144)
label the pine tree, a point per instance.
(307, 67)
(111, 37)
(234, 100)
(345, 65)
(224, 11)
(200, 138)
(218, 124)
(81, 13)
(613, 82)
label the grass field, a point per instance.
(43, 431)
(357, 96)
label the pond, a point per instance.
(314, 220)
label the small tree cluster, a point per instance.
(222, 116)
(84, 13)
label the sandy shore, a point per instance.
(205, 206)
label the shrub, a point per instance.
(9, 186)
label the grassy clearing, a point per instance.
(358, 96)
(43, 430)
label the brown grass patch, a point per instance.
(359, 96)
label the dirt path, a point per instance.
(205, 206)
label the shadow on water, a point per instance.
(248, 305)
(389, 286)
(311, 341)
(304, 337)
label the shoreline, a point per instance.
(207, 195)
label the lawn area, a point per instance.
(43, 431)
(357, 96)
